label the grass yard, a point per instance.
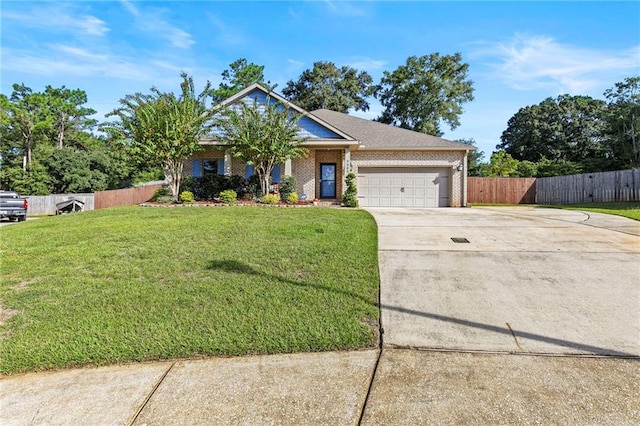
(627, 209)
(135, 284)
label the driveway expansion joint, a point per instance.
(148, 398)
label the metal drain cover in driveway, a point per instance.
(459, 240)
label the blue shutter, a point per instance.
(275, 174)
(221, 166)
(197, 172)
(248, 171)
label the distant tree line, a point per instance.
(570, 135)
(50, 143)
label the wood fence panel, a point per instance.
(483, 190)
(124, 197)
(621, 185)
(46, 204)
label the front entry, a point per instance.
(328, 180)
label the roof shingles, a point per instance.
(375, 135)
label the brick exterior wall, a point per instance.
(306, 169)
(435, 159)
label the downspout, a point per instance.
(464, 178)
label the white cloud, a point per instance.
(60, 18)
(367, 64)
(131, 8)
(153, 22)
(540, 62)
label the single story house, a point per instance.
(394, 167)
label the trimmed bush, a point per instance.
(350, 197)
(229, 196)
(209, 187)
(187, 197)
(287, 186)
(292, 198)
(160, 193)
(270, 199)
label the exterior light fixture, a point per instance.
(460, 167)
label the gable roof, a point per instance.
(352, 131)
(373, 135)
(273, 95)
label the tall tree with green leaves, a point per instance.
(425, 92)
(71, 117)
(26, 119)
(567, 128)
(623, 122)
(240, 75)
(330, 87)
(262, 135)
(163, 128)
(502, 164)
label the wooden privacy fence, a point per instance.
(124, 197)
(46, 204)
(622, 185)
(482, 190)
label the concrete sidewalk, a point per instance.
(333, 388)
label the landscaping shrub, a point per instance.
(254, 188)
(209, 187)
(187, 197)
(350, 197)
(270, 199)
(292, 198)
(229, 196)
(160, 193)
(287, 186)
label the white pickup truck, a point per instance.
(13, 206)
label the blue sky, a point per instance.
(519, 53)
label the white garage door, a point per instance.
(403, 187)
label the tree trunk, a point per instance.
(173, 175)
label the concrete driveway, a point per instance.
(529, 280)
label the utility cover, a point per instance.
(459, 240)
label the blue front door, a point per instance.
(328, 180)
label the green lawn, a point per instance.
(134, 284)
(626, 209)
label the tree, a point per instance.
(623, 123)
(424, 92)
(26, 118)
(330, 87)
(33, 126)
(568, 128)
(240, 75)
(262, 135)
(164, 129)
(69, 115)
(502, 164)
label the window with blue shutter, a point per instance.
(196, 168)
(248, 171)
(275, 174)
(221, 166)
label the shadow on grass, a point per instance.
(235, 266)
